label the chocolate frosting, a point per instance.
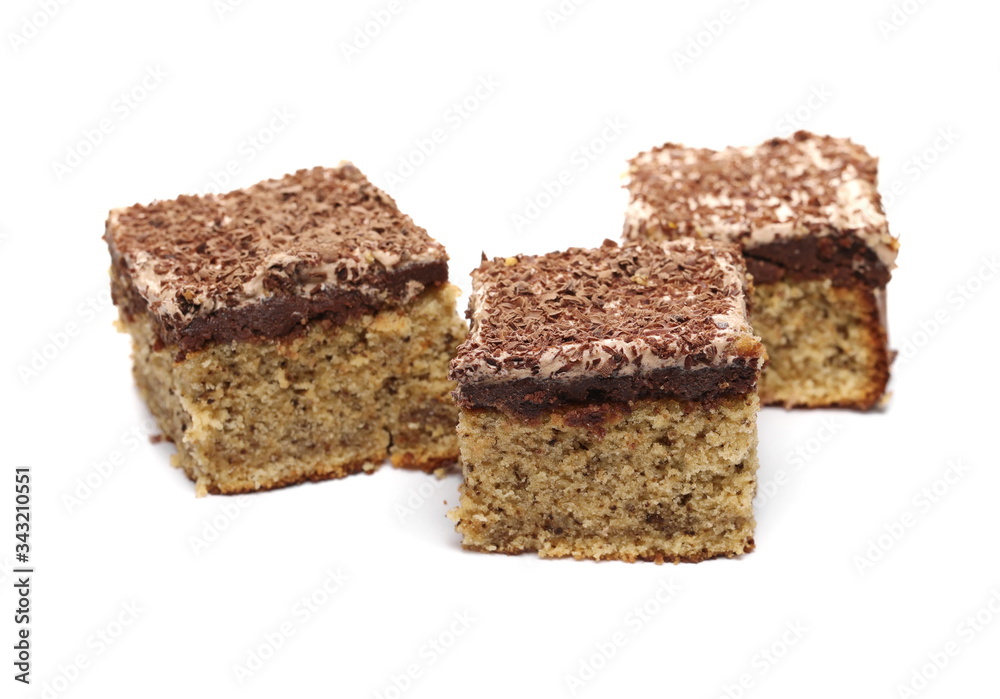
(529, 397)
(261, 261)
(842, 258)
(615, 323)
(779, 200)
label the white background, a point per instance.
(832, 483)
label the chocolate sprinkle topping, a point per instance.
(257, 262)
(548, 322)
(774, 196)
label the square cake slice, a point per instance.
(608, 404)
(808, 216)
(299, 329)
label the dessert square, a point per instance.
(809, 218)
(299, 329)
(608, 404)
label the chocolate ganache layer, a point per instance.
(617, 324)
(260, 262)
(805, 207)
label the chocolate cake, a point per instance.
(608, 404)
(807, 214)
(298, 329)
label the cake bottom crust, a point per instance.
(657, 480)
(326, 403)
(827, 345)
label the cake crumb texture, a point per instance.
(327, 402)
(827, 344)
(660, 480)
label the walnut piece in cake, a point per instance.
(299, 329)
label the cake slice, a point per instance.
(608, 403)
(299, 329)
(808, 216)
